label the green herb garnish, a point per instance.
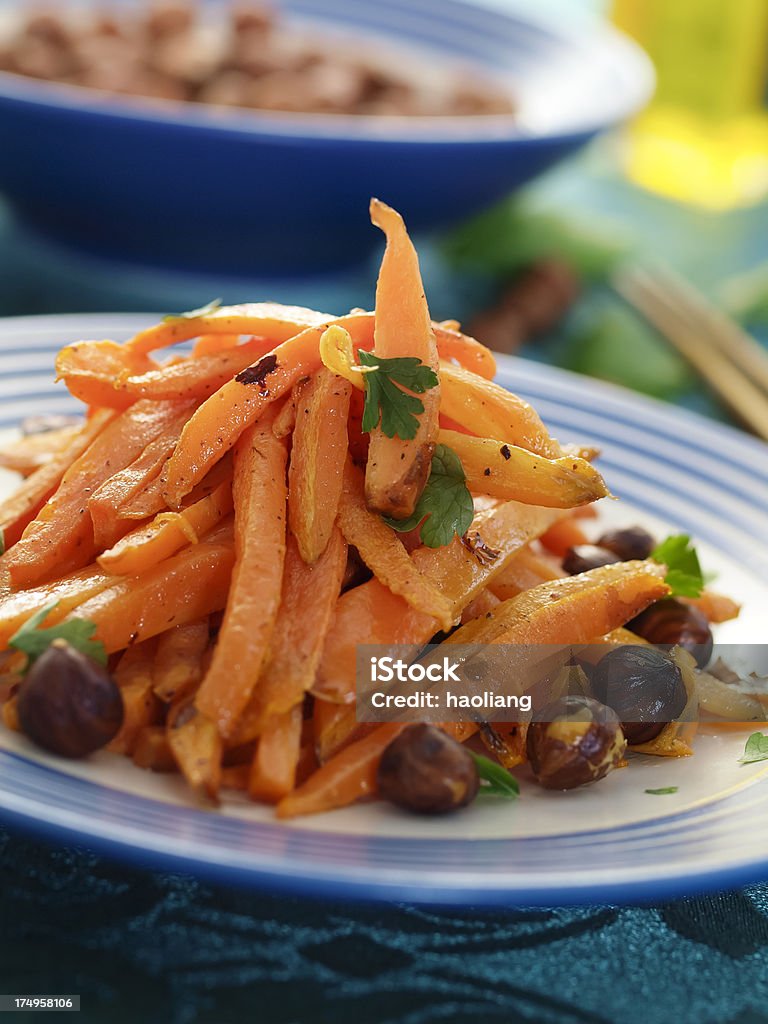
(445, 505)
(756, 749)
(663, 791)
(494, 779)
(193, 314)
(34, 641)
(684, 574)
(385, 400)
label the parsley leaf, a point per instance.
(495, 780)
(385, 400)
(663, 791)
(445, 504)
(756, 749)
(193, 314)
(684, 573)
(33, 641)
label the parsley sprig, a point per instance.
(445, 507)
(756, 749)
(386, 402)
(664, 791)
(33, 640)
(193, 314)
(495, 780)
(684, 573)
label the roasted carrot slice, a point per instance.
(28, 454)
(349, 777)
(382, 551)
(136, 665)
(397, 470)
(571, 610)
(306, 605)
(489, 410)
(17, 511)
(317, 460)
(178, 664)
(507, 471)
(273, 772)
(372, 614)
(167, 533)
(151, 750)
(218, 423)
(563, 534)
(68, 592)
(197, 747)
(214, 344)
(141, 708)
(193, 378)
(181, 589)
(91, 369)
(267, 320)
(527, 569)
(260, 528)
(105, 503)
(460, 348)
(62, 533)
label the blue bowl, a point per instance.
(242, 192)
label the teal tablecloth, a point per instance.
(153, 948)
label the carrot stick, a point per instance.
(179, 659)
(188, 378)
(489, 410)
(273, 772)
(349, 777)
(68, 592)
(218, 423)
(17, 511)
(565, 533)
(317, 461)
(141, 709)
(197, 747)
(152, 750)
(527, 569)
(62, 533)
(372, 614)
(105, 503)
(459, 348)
(28, 454)
(267, 320)
(166, 534)
(382, 551)
(308, 598)
(249, 620)
(507, 471)
(181, 589)
(90, 370)
(136, 665)
(397, 469)
(214, 344)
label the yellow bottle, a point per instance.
(704, 137)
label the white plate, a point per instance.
(674, 471)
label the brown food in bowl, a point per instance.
(169, 50)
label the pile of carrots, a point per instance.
(220, 518)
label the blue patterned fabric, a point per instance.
(167, 949)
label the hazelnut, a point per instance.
(574, 741)
(426, 771)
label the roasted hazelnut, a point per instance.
(584, 557)
(644, 687)
(630, 544)
(69, 704)
(574, 741)
(670, 622)
(424, 770)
